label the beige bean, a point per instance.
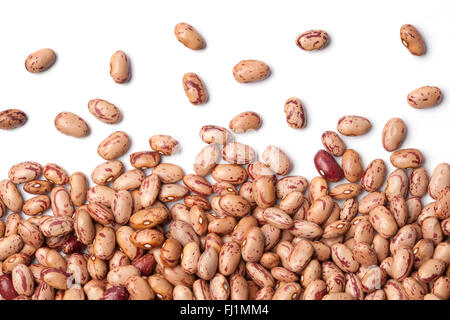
(56, 226)
(312, 40)
(238, 153)
(50, 258)
(399, 210)
(374, 175)
(119, 275)
(207, 264)
(100, 213)
(197, 184)
(195, 89)
(373, 279)
(295, 113)
(245, 121)
(172, 192)
(289, 184)
(61, 204)
(354, 287)
(407, 158)
(424, 97)
(114, 145)
(104, 111)
(36, 205)
(40, 60)
(105, 243)
(10, 196)
(440, 179)
(198, 220)
(277, 160)
(78, 188)
(333, 143)
(38, 187)
(250, 71)
(351, 165)
(123, 235)
(317, 188)
(402, 263)
(148, 218)
(164, 144)
(394, 290)
(70, 124)
(397, 184)
(145, 159)
(183, 232)
(264, 191)
(412, 39)
(394, 133)
(10, 245)
(24, 172)
(55, 278)
(320, 209)
(371, 200)
(206, 160)
(306, 229)
(219, 287)
(147, 238)
(122, 206)
(107, 172)
(337, 296)
(300, 256)
(346, 191)
(383, 221)
(253, 245)
(259, 274)
(431, 270)
(431, 229)
(344, 258)
(119, 67)
(129, 180)
(278, 218)
(83, 226)
(188, 36)
(168, 172)
(12, 118)
(22, 280)
(55, 174)
(405, 237)
(292, 202)
(231, 173)
(353, 125)
(442, 204)
(77, 268)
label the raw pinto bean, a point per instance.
(336, 229)
(181, 292)
(10, 245)
(12, 224)
(423, 251)
(371, 200)
(231, 173)
(440, 179)
(241, 229)
(441, 288)
(11, 262)
(300, 255)
(36, 205)
(170, 253)
(353, 125)
(183, 232)
(322, 251)
(383, 221)
(424, 97)
(24, 172)
(55, 278)
(402, 263)
(312, 40)
(442, 204)
(207, 264)
(283, 274)
(10, 196)
(61, 204)
(104, 111)
(139, 288)
(107, 172)
(200, 289)
(118, 259)
(344, 258)
(100, 213)
(337, 296)
(222, 226)
(77, 268)
(320, 209)
(197, 184)
(149, 190)
(291, 202)
(259, 275)
(373, 279)
(164, 144)
(115, 293)
(397, 184)
(120, 69)
(145, 159)
(12, 118)
(376, 295)
(245, 121)
(277, 160)
(333, 143)
(55, 174)
(147, 238)
(56, 226)
(188, 36)
(287, 291)
(407, 158)
(246, 192)
(394, 290)
(22, 280)
(394, 133)
(176, 276)
(349, 210)
(317, 188)
(290, 184)
(431, 229)
(311, 273)
(168, 172)
(264, 191)
(374, 175)
(40, 60)
(354, 287)
(253, 245)
(351, 165)
(327, 166)
(78, 188)
(405, 237)
(412, 39)
(238, 153)
(346, 191)
(219, 287)
(83, 226)
(398, 208)
(105, 243)
(129, 180)
(238, 288)
(122, 206)
(269, 260)
(431, 270)
(295, 113)
(172, 192)
(315, 290)
(198, 220)
(206, 160)
(114, 145)
(215, 134)
(278, 218)
(250, 71)
(265, 293)
(70, 124)
(195, 89)
(234, 205)
(38, 187)
(306, 229)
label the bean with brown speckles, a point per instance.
(195, 89)
(407, 158)
(119, 67)
(188, 36)
(295, 113)
(424, 97)
(412, 39)
(312, 40)
(40, 60)
(250, 71)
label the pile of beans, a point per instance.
(252, 232)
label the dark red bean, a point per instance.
(6, 288)
(146, 264)
(115, 293)
(72, 245)
(327, 166)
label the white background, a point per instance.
(364, 71)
